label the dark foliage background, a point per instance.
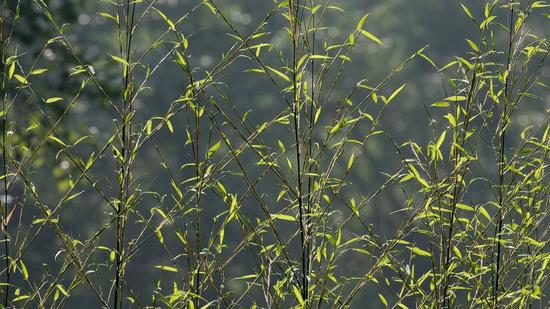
(403, 26)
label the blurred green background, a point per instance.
(404, 27)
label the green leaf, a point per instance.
(395, 93)
(177, 189)
(246, 277)
(315, 9)
(464, 207)
(109, 16)
(457, 252)
(170, 126)
(57, 140)
(350, 160)
(441, 104)
(319, 57)
(62, 290)
(167, 268)
(38, 71)
(36, 221)
(383, 300)
(281, 145)
(467, 11)
(24, 270)
(336, 8)
(419, 251)
(298, 295)
(371, 37)
(484, 212)
(317, 114)
(11, 70)
(21, 79)
(53, 100)
(456, 98)
(487, 21)
(214, 149)
(120, 60)
(210, 7)
(451, 118)
(181, 60)
(22, 297)
(279, 73)
(407, 177)
(283, 217)
(473, 45)
(440, 140)
(166, 19)
(535, 242)
(361, 23)
(539, 4)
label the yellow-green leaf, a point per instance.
(361, 23)
(383, 299)
(473, 45)
(298, 295)
(11, 70)
(395, 93)
(456, 98)
(167, 20)
(53, 100)
(167, 268)
(279, 73)
(467, 11)
(38, 71)
(371, 37)
(21, 79)
(120, 60)
(62, 290)
(57, 140)
(24, 270)
(441, 104)
(420, 252)
(214, 149)
(283, 217)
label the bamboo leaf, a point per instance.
(361, 22)
(24, 270)
(467, 11)
(279, 73)
(394, 94)
(120, 60)
(371, 37)
(383, 300)
(298, 295)
(419, 251)
(57, 140)
(53, 100)
(214, 149)
(38, 71)
(21, 79)
(487, 21)
(62, 290)
(167, 268)
(283, 217)
(473, 45)
(456, 98)
(166, 19)
(11, 70)
(441, 139)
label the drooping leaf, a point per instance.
(371, 37)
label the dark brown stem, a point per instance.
(5, 210)
(501, 164)
(126, 137)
